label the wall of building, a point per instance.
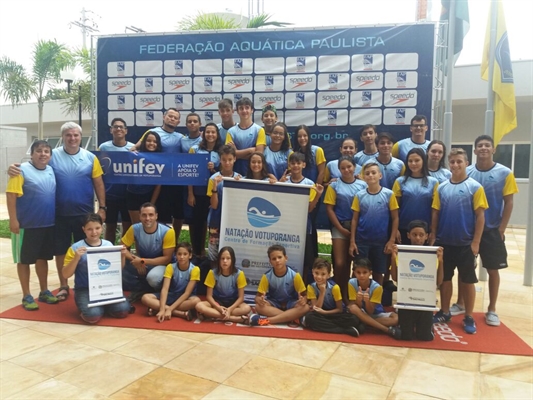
(13, 146)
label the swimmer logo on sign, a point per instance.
(262, 213)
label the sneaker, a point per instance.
(48, 298)
(456, 309)
(257, 320)
(302, 321)
(191, 314)
(395, 332)
(361, 328)
(352, 331)
(441, 317)
(469, 325)
(29, 304)
(492, 319)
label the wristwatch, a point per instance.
(103, 208)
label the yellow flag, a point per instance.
(502, 80)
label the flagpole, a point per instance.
(450, 59)
(489, 113)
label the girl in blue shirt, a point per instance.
(278, 152)
(436, 156)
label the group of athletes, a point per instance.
(387, 193)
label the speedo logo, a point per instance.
(400, 98)
(367, 79)
(179, 83)
(297, 82)
(238, 82)
(121, 84)
(332, 99)
(269, 99)
(447, 334)
(207, 101)
(150, 101)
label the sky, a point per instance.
(24, 22)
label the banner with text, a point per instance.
(417, 277)
(256, 215)
(104, 268)
(154, 168)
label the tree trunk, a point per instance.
(40, 128)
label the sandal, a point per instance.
(63, 293)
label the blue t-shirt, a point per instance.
(115, 191)
(180, 279)
(214, 157)
(442, 174)
(215, 215)
(277, 161)
(340, 194)
(149, 245)
(170, 141)
(226, 288)
(390, 171)
(406, 145)
(244, 139)
(334, 171)
(281, 288)
(74, 179)
(361, 157)
(36, 208)
(416, 199)
(81, 275)
(187, 143)
(374, 215)
(329, 301)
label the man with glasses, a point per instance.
(418, 128)
(116, 193)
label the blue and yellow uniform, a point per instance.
(332, 170)
(332, 296)
(36, 196)
(498, 182)
(361, 157)
(187, 143)
(81, 275)
(282, 291)
(340, 194)
(374, 294)
(390, 171)
(214, 216)
(74, 178)
(277, 161)
(311, 170)
(402, 147)
(170, 141)
(150, 245)
(225, 288)
(457, 203)
(442, 174)
(374, 215)
(223, 132)
(252, 136)
(179, 279)
(312, 195)
(417, 198)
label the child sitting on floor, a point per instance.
(281, 292)
(76, 264)
(225, 291)
(327, 313)
(416, 323)
(364, 296)
(177, 297)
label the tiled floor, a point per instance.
(41, 360)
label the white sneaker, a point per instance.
(492, 319)
(456, 309)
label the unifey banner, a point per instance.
(154, 168)
(256, 215)
(417, 277)
(104, 267)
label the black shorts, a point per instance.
(134, 201)
(492, 250)
(170, 203)
(66, 230)
(462, 258)
(115, 207)
(35, 244)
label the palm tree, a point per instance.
(82, 57)
(211, 21)
(18, 86)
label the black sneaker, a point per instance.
(352, 331)
(395, 332)
(134, 297)
(361, 328)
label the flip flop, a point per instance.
(64, 292)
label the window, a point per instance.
(521, 160)
(466, 147)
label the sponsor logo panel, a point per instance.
(401, 80)
(127, 116)
(258, 115)
(269, 83)
(238, 66)
(149, 68)
(297, 117)
(333, 81)
(149, 101)
(333, 63)
(208, 67)
(120, 85)
(366, 98)
(180, 84)
(300, 100)
(238, 83)
(117, 69)
(332, 100)
(400, 98)
(300, 82)
(178, 101)
(207, 101)
(207, 84)
(364, 116)
(398, 116)
(149, 118)
(367, 62)
(401, 61)
(270, 98)
(177, 67)
(273, 65)
(367, 80)
(120, 102)
(332, 117)
(298, 65)
(148, 85)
